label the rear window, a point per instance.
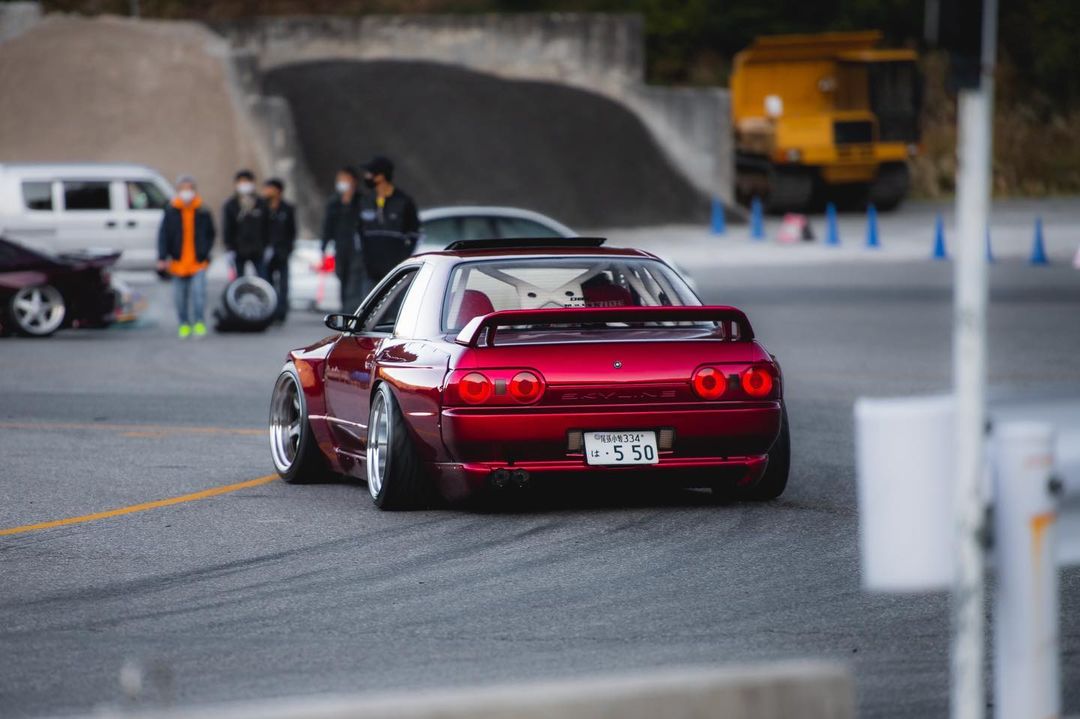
(477, 288)
(37, 195)
(86, 195)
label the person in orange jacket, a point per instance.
(185, 239)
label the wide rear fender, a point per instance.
(18, 280)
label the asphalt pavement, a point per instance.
(277, 590)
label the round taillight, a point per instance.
(475, 388)
(709, 383)
(757, 382)
(526, 387)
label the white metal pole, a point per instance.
(969, 377)
(1026, 664)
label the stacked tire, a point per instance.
(247, 305)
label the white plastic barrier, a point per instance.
(808, 690)
(905, 458)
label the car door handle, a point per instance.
(131, 223)
(110, 223)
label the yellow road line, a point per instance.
(133, 430)
(204, 494)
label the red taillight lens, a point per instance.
(709, 383)
(757, 382)
(475, 388)
(526, 387)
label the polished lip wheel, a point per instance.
(378, 446)
(286, 416)
(38, 310)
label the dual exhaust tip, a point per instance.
(501, 478)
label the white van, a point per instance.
(65, 207)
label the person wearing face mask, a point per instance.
(389, 220)
(185, 239)
(281, 239)
(339, 227)
(244, 219)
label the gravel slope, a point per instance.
(461, 137)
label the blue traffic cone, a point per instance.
(939, 239)
(719, 222)
(872, 239)
(1038, 250)
(989, 251)
(832, 231)
(757, 219)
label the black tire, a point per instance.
(774, 481)
(304, 461)
(403, 482)
(791, 189)
(891, 186)
(247, 305)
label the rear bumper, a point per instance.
(458, 480)
(713, 443)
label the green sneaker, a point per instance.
(200, 329)
(185, 331)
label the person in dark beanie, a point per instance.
(185, 239)
(389, 221)
(339, 227)
(244, 220)
(281, 238)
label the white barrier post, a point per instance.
(1026, 663)
(905, 470)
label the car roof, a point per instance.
(60, 170)
(440, 213)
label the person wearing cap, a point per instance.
(185, 238)
(281, 238)
(339, 227)
(244, 221)
(389, 221)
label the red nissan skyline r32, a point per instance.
(499, 362)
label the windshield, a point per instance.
(478, 288)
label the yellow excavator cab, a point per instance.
(824, 116)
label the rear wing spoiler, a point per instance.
(487, 325)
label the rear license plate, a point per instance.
(621, 448)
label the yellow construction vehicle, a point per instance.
(825, 116)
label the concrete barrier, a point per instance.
(804, 689)
(18, 17)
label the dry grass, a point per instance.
(1036, 149)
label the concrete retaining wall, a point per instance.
(596, 52)
(808, 690)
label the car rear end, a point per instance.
(680, 393)
(88, 288)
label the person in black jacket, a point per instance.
(244, 222)
(281, 238)
(339, 227)
(185, 239)
(389, 220)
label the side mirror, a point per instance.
(340, 322)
